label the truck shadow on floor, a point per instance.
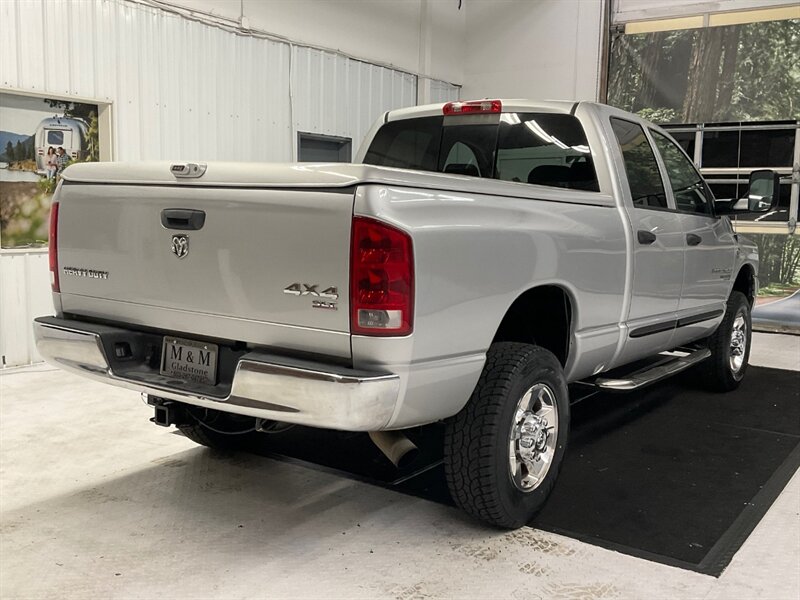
(671, 473)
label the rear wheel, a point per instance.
(730, 346)
(504, 449)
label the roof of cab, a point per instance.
(509, 105)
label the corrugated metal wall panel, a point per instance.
(184, 89)
(24, 294)
(334, 95)
(444, 92)
(179, 89)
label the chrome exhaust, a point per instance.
(395, 446)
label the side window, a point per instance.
(545, 149)
(641, 166)
(690, 191)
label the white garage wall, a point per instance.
(24, 294)
(179, 89)
(549, 49)
(184, 89)
(343, 97)
(390, 32)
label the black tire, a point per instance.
(477, 439)
(217, 430)
(720, 375)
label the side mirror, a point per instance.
(762, 194)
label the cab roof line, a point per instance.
(386, 116)
(574, 108)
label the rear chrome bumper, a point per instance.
(263, 385)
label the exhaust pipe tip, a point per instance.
(395, 446)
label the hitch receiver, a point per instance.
(167, 412)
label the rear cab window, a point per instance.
(548, 149)
(407, 144)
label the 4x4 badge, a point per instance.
(180, 245)
(309, 289)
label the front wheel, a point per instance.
(730, 346)
(504, 449)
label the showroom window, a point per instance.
(688, 188)
(686, 140)
(644, 178)
(727, 153)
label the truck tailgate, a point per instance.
(253, 245)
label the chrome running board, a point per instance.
(652, 373)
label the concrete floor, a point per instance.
(97, 503)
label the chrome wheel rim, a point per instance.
(738, 343)
(532, 443)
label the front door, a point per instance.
(658, 247)
(710, 245)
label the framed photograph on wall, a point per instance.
(40, 136)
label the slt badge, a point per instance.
(180, 245)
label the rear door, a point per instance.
(658, 248)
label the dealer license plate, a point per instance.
(189, 360)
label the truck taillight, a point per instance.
(473, 107)
(381, 279)
(53, 247)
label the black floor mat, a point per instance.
(669, 473)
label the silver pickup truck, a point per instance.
(477, 259)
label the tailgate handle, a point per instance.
(183, 218)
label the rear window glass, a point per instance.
(407, 144)
(55, 138)
(468, 150)
(541, 148)
(545, 149)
